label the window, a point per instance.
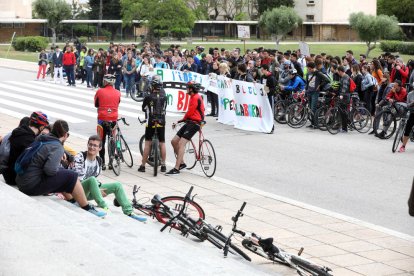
(6, 25)
(310, 2)
(308, 30)
(310, 17)
(18, 25)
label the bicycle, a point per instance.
(205, 153)
(118, 149)
(358, 117)
(266, 249)
(385, 121)
(154, 157)
(162, 209)
(200, 229)
(400, 131)
(142, 89)
(281, 107)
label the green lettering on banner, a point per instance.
(169, 99)
(160, 73)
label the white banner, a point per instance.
(243, 31)
(242, 104)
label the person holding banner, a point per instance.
(269, 82)
(192, 118)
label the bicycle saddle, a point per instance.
(267, 245)
(156, 199)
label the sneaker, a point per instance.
(182, 166)
(103, 167)
(141, 168)
(381, 135)
(310, 126)
(138, 218)
(173, 171)
(97, 213)
(372, 132)
(109, 166)
(163, 168)
(402, 149)
(343, 131)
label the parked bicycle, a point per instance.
(400, 131)
(266, 249)
(154, 157)
(385, 121)
(202, 152)
(143, 88)
(118, 149)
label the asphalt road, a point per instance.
(352, 174)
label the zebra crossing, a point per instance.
(73, 104)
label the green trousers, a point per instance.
(93, 191)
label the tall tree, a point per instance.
(163, 17)
(231, 8)
(280, 21)
(264, 5)
(110, 9)
(402, 9)
(371, 28)
(54, 11)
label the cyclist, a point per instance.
(296, 83)
(107, 101)
(154, 106)
(192, 119)
(410, 121)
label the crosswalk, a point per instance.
(73, 104)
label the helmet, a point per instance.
(156, 82)
(109, 79)
(293, 71)
(195, 86)
(39, 119)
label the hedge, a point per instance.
(406, 48)
(30, 43)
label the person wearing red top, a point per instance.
(69, 61)
(107, 101)
(192, 118)
(399, 72)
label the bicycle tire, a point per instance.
(190, 155)
(138, 95)
(312, 268)
(279, 114)
(208, 158)
(297, 116)
(155, 148)
(220, 238)
(196, 212)
(141, 150)
(320, 115)
(113, 157)
(390, 119)
(398, 136)
(126, 153)
(333, 120)
(361, 119)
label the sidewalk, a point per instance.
(18, 64)
(348, 246)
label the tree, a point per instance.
(163, 17)
(280, 21)
(110, 9)
(54, 11)
(402, 9)
(231, 8)
(371, 28)
(264, 5)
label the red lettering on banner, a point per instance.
(187, 101)
(246, 109)
(183, 100)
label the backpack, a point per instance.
(4, 152)
(352, 85)
(25, 158)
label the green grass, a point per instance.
(332, 49)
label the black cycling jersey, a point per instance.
(154, 106)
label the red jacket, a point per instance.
(69, 59)
(398, 97)
(107, 101)
(403, 72)
(195, 110)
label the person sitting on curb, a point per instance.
(88, 166)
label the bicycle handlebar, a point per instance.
(239, 213)
(123, 120)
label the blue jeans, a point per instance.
(118, 81)
(89, 75)
(129, 83)
(70, 74)
(313, 97)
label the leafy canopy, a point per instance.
(111, 9)
(402, 9)
(263, 5)
(280, 21)
(53, 10)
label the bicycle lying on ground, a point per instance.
(118, 149)
(266, 249)
(204, 153)
(154, 157)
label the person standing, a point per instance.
(344, 96)
(82, 56)
(269, 82)
(42, 65)
(58, 63)
(69, 61)
(89, 61)
(129, 69)
(98, 69)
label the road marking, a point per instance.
(12, 113)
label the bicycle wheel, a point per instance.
(140, 93)
(320, 118)
(303, 265)
(150, 159)
(280, 112)
(176, 203)
(333, 120)
(190, 155)
(126, 153)
(385, 124)
(361, 119)
(114, 158)
(398, 135)
(297, 115)
(219, 240)
(155, 149)
(208, 158)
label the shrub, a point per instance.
(408, 49)
(391, 45)
(30, 43)
(83, 40)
